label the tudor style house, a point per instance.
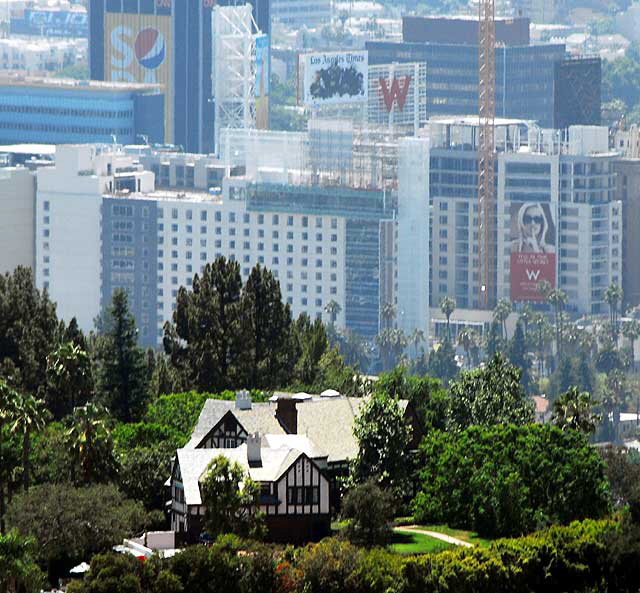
(296, 446)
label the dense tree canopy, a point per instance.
(491, 395)
(230, 498)
(28, 330)
(508, 480)
(70, 524)
(383, 444)
(122, 377)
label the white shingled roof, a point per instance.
(194, 462)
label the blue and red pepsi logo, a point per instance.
(150, 48)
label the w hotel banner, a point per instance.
(139, 48)
(533, 249)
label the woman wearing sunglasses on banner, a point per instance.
(532, 231)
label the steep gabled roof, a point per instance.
(193, 465)
(259, 418)
(328, 422)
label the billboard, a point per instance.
(261, 90)
(139, 48)
(336, 77)
(533, 249)
(50, 23)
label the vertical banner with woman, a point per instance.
(533, 249)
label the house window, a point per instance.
(303, 494)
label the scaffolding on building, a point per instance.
(234, 68)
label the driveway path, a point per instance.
(441, 536)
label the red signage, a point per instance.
(533, 249)
(395, 93)
(527, 271)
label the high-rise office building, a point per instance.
(558, 216)
(168, 42)
(533, 82)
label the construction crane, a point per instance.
(486, 153)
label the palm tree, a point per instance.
(388, 315)
(465, 339)
(574, 410)
(542, 333)
(416, 337)
(69, 378)
(30, 416)
(615, 396)
(89, 440)
(631, 331)
(392, 343)
(448, 306)
(501, 313)
(526, 316)
(476, 343)
(557, 298)
(8, 399)
(333, 309)
(613, 297)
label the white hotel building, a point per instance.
(101, 224)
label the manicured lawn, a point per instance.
(465, 536)
(417, 543)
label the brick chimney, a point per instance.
(287, 414)
(254, 456)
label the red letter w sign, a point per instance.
(395, 93)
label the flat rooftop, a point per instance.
(73, 84)
(168, 195)
(40, 149)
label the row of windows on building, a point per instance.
(63, 129)
(64, 111)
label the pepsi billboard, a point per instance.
(138, 48)
(50, 23)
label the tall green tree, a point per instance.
(29, 328)
(392, 343)
(557, 298)
(333, 309)
(206, 338)
(491, 395)
(8, 401)
(448, 306)
(388, 314)
(383, 438)
(231, 499)
(311, 344)
(613, 297)
(69, 379)
(267, 322)
(442, 362)
(122, 376)
(574, 410)
(501, 313)
(495, 342)
(425, 394)
(30, 416)
(519, 357)
(465, 340)
(631, 331)
(89, 440)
